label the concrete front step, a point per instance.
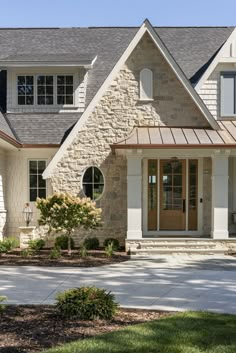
(182, 246)
(143, 252)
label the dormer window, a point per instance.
(146, 85)
(64, 89)
(25, 89)
(45, 90)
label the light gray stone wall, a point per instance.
(113, 119)
(207, 195)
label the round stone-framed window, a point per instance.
(93, 183)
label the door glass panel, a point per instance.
(192, 195)
(172, 190)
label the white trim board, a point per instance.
(145, 28)
(219, 58)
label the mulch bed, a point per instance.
(28, 329)
(95, 258)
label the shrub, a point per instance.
(36, 244)
(2, 307)
(91, 243)
(116, 243)
(83, 251)
(26, 253)
(55, 253)
(86, 303)
(8, 244)
(62, 242)
(109, 250)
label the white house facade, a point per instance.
(142, 120)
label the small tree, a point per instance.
(65, 212)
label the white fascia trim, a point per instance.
(214, 62)
(146, 27)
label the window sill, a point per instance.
(145, 100)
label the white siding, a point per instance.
(210, 90)
(18, 187)
(80, 79)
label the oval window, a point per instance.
(93, 183)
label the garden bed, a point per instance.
(25, 329)
(42, 258)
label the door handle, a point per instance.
(184, 206)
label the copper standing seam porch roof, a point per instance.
(175, 137)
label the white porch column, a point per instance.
(220, 179)
(134, 197)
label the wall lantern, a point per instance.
(28, 214)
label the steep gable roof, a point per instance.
(145, 28)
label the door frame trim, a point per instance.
(158, 232)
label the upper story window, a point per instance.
(25, 90)
(45, 90)
(146, 84)
(37, 185)
(228, 94)
(64, 89)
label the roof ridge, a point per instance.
(108, 27)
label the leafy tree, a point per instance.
(65, 212)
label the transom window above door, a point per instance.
(45, 90)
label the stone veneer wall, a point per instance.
(113, 119)
(207, 195)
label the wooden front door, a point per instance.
(173, 194)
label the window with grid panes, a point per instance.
(37, 185)
(25, 90)
(65, 90)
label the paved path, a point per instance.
(163, 283)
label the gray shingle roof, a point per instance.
(5, 127)
(191, 47)
(42, 128)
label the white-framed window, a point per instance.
(65, 89)
(93, 183)
(45, 90)
(37, 185)
(146, 84)
(25, 90)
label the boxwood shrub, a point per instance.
(62, 242)
(86, 303)
(91, 243)
(108, 241)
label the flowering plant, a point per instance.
(65, 212)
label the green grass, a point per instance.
(190, 332)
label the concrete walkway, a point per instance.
(163, 283)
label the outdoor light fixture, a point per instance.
(28, 213)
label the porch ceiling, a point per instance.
(164, 137)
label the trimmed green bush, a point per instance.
(91, 243)
(36, 244)
(116, 243)
(86, 303)
(62, 242)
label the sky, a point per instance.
(85, 13)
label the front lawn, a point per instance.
(190, 332)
